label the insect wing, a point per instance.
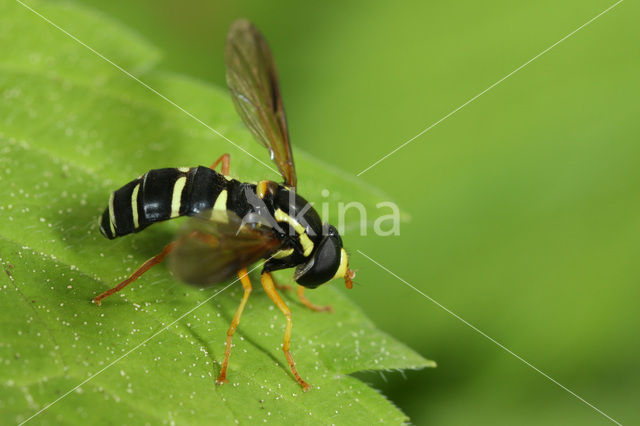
(253, 82)
(215, 245)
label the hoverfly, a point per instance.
(235, 224)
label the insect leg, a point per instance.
(246, 285)
(138, 272)
(306, 302)
(269, 288)
(225, 159)
(281, 287)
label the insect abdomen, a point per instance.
(162, 194)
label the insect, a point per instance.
(233, 224)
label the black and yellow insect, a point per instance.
(235, 224)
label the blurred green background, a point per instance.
(525, 204)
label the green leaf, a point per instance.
(73, 128)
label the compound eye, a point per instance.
(322, 266)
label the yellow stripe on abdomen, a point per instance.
(220, 206)
(112, 215)
(221, 201)
(134, 206)
(178, 187)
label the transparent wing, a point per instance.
(215, 245)
(253, 82)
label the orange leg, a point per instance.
(306, 302)
(270, 289)
(246, 285)
(138, 273)
(225, 159)
(282, 287)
